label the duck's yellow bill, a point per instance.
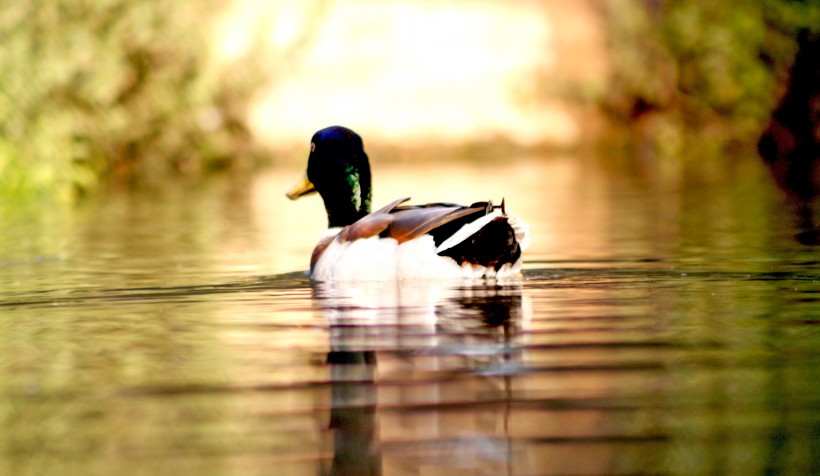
(304, 187)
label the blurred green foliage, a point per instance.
(692, 76)
(90, 88)
(128, 88)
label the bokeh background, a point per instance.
(155, 314)
(101, 92)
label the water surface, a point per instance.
(660, 326)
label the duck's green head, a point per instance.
(339, 170)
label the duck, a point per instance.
(400, 241)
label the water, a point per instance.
(661, 326)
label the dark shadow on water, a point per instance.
(809, 233)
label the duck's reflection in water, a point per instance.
(353, 412)
(404, 354)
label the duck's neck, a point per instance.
(342, 214)
(350, 200)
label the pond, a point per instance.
(662, 325)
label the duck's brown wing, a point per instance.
(410, 223)
(407, 223)
(372, 224)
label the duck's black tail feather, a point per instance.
(498, 242)
(492, 246)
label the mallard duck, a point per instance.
(431, 241)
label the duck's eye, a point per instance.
(312, 146)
